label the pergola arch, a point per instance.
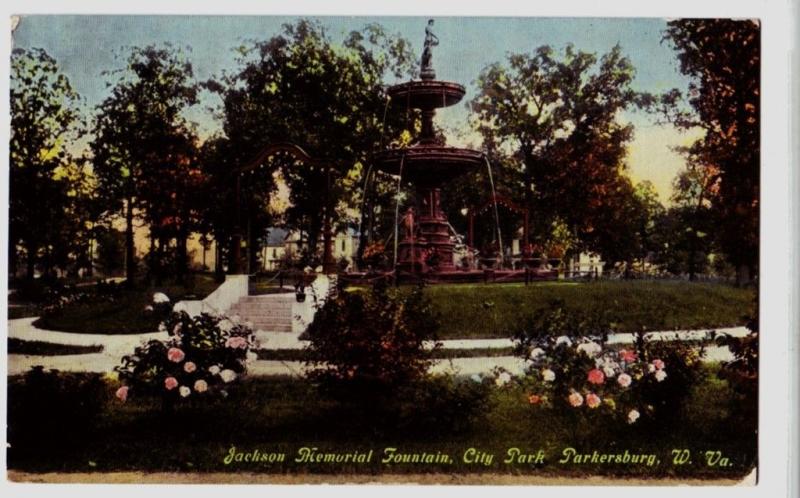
(507, 203)
(299, 154)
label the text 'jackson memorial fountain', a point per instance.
(423, 243)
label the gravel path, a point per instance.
(115, 346)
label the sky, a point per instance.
(85, 46)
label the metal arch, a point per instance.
(503, 201)
(292, 149)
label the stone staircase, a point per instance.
(267, 313)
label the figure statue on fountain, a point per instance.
(408, 224)
(431, 40)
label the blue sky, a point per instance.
(84, 46)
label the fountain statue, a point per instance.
(426, 64)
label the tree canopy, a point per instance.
(301, 87)
(46, 181)
(723, 58)
(144, 148)
(556, 116)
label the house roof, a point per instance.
(276, 236)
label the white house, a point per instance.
(585, 264)
(282, 243)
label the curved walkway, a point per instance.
(116, 345)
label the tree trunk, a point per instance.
(219, 273)
(181, 264)
(130, 264)
(30, 260)
(151, 259)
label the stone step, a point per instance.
(260, 324)
(260, 311)
(275, 328)
(267, 320)
(272, 305)
(268, 299)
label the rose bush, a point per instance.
(572, 369)
(202, 357)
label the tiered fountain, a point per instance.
(424, 245)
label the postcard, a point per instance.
(349, 250)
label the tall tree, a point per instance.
(723, 58)
(558, 115)
(142, 143)
(45, 117)
(328, 98)
(685, 232)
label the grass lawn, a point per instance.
(487, 310)
(23, 311)
(125, 314)
(38, 348)
(282, 415)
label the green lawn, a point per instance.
(486, 310)
(123, 315)
(478, 310)
(281, 414)
(23, 311)
(38, 348)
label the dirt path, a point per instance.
(424, 479)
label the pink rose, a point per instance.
(628, 356)
(592, 400)
(624, 380)
(236, 342)
(189, 367)
(534, 399)
(175, 355)
(575, 399)
(658, 364)
(596, 376)
(170, 383)
(122, 393)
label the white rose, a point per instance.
(537, 352)
(591, 349)
(633, 416)
(624, 380)
(213, 369)
(548, 375)
(503, 379)
(564, 340)
(609, 371)
(185, 391)
(160, 298)
(227, 375)
(661, 375)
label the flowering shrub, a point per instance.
(365, 345)
(581, 373)
(374, 255)
(201, 357)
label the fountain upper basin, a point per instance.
(426, 94)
